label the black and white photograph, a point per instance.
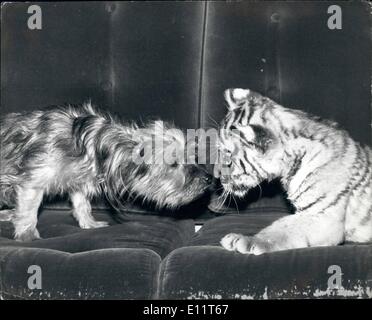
(203, 151)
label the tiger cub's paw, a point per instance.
(244, 244)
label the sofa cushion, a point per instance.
(98, 274)
(214, 229)
(60, 231)
(136, 207)
(204, 270)
(210, 272)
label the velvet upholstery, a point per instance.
(99, 274)
(60, 231)
(210, 272)
(172, 61)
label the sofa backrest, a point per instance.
(173, 60)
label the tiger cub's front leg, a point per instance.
(296, 231)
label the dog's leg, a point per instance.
(82, 212)
(25, 214)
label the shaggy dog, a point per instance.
(83, 152)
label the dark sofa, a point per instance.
(173, 60)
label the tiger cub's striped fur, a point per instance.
(327, 175)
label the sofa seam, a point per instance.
(202, 60)
(154, 282)
(155, 293)
(163, 268)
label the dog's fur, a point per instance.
(84, 152)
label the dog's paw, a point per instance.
(92, 224)
(244, 244)
(28, 235)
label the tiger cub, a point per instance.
(326, 174)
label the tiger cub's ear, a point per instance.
(263, 137)
(236, 97)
